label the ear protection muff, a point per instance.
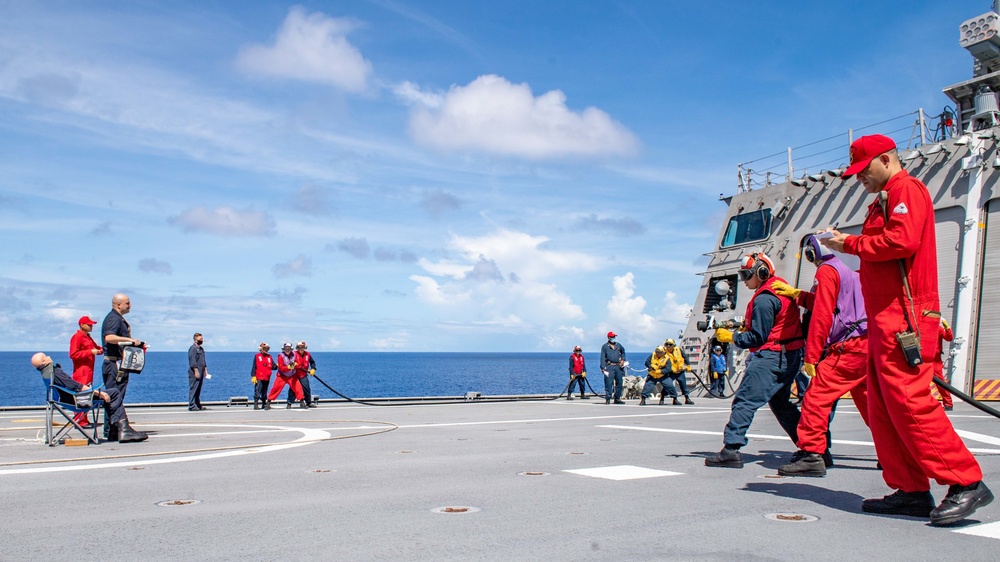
(758, 265)
(809, 253)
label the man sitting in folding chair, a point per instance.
(68, 397)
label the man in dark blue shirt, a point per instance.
(197, 371)
(613, 366)
(115, 331)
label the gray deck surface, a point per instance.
(260, 499)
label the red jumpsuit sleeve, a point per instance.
(79, 347)
(901, 236)
(947, 335)
(805, 300)
(824, 304)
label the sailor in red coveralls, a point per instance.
(260, 376)
(83, 350)
(836, 355)
(914, 438)
(773, 334)
(286, 375)
(305, 367)
(946, 335)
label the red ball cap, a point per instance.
(866, 148)
(85, 320)
(612, 335)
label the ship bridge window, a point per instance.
(748, 227)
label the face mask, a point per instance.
(199, 342)
(611, 340)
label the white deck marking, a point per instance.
(308, 436)
(581, 418)
(622, 472)
(988, 530)
(777, 437)
(970, 435)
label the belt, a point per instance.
(111, 359)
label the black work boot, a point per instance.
(726, 458)
(688, 401)
(676, 402)
(267, 404)
(642, 401)
(804, 463)
(256, 404)
(303, 405)
(827, 458)
(126, 434)
(569, 397)
(913, 504)
(661, 399)
(619, 401)
(583, 396)
(961, 502)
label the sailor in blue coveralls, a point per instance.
(613, 365)
(773, 334)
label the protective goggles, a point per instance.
(745, 274)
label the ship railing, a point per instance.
(910, 130)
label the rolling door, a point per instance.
(948, 224)
(987, 351)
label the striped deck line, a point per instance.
(987, 389)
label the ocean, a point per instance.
(354, 374)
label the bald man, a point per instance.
(114, 331)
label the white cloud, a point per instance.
(505, 274)
(399, 340)
(564, 337)
(225, 221)
(429, 290)
(311, 48)
(492, 115)
(521, 253)
(673, 311)
(300, 265)
(626, 312)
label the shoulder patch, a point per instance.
(900, 209)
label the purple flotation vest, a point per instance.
(849, 315)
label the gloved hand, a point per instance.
(584, 374)
(312, 372)
(724, 335)
(253, 380)
(786, 290)
(809, 369)
(944, 324)
(687, 368)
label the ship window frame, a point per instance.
(743, 222)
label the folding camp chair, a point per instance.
(85, 402)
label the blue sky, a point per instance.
(414, 176)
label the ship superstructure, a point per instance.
(956, 154)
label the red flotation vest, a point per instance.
(787, 330)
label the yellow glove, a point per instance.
(724, 335)
(253, 380)
(944, 324)
(809, 369)
(584, 374)
(687, 368)
(786, 290)
(312, 372)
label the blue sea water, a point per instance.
(355, 374)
